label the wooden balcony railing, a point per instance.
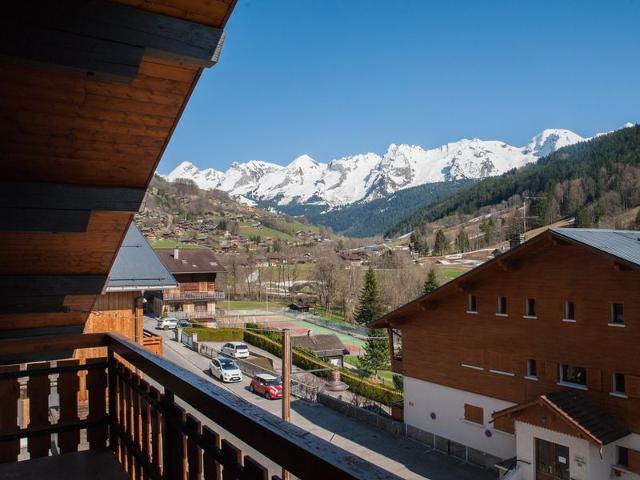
(171, 424)
(187, 295)
(152, 342)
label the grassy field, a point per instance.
(172, 244)
(246, 230)
(248, 305)
(449, 273)
(304, 271)
(331, 315)
(385, 376)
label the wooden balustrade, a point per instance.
(63, 419)
(147, 427)
(152, 342)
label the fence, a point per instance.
(341, 327)
(379, 421)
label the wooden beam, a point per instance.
(58, 196)
(103, 38)
(51, 220)
(107, 61)
(35, 304)
(12, 350)
(50, 285)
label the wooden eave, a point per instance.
(508, 260)
(78, 150)
(542, 401)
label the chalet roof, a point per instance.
(622, 245)
(579, 413)
(323, 345)
(190, 260)
(137, 267)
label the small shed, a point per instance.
(328, 347)
(302, 304)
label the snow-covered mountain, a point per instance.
(369, 176)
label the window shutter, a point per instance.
(505, 424)
(632, 384)
(474, 414)
(634, 461)
(594, 379)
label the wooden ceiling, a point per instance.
(88, 102)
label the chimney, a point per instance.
(176, 254)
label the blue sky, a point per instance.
(336, 77)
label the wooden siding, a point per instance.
(437, 340)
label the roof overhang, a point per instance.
(508, 260)
(565, 419)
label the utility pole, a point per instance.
(286, 383)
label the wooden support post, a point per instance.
(286, 383)
(113, 405)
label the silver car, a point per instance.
(167, 323)
(225, 369)
(235, 349)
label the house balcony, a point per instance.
(145, 417)
(185, 295)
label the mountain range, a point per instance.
(366, 177)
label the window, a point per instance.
(502, 306)
(619, 383)
(474, 414)
(472, 306)
(623, 456)
(569, 310)
(573, 375)
(396, 342)
(532, 368)
(617, 314)
(530, 307)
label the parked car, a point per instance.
(167, 323)
(267, 385)
(184, 324)
(235, 349)
(225, 369)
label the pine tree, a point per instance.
(376, 351)
(441, 243)
(376, 356)
(462, 241)
(369, 307)
(431, 283)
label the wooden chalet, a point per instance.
(195, 296)
(531, 361)
(90, 94)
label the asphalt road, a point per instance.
(402, 456)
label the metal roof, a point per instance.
(137, 267)
(622, 244)
(190, 260)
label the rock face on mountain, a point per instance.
(365, 177)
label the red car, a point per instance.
(267, 386)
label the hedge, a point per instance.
(216, 334)
(357, 384)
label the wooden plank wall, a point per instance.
(438, 340)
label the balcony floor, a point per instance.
(93, 464)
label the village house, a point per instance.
(327, 347)
(531, 360)
(195, 297)
(136, 269)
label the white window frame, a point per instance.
(566, 317)
(469, 309)
(614, 386)
(527, 313)
(567, 383)
(612, 322)
(499, 311)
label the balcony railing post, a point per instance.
(169, 436)
(111, 373)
